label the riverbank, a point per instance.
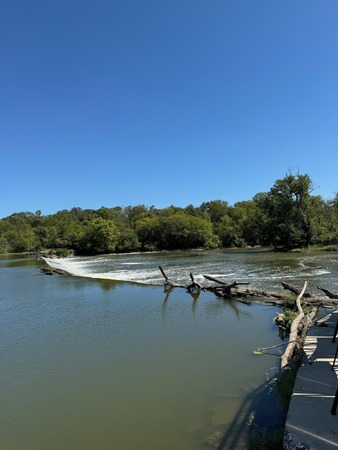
(69, 252)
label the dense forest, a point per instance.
(288, 216)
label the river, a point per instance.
(108, 360)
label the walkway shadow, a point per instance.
(259, 408)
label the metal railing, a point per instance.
(335, 404)
(335, 332)
(335, 401)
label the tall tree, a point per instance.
(287, 210)
(101, 236)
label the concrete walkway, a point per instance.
(310, 424)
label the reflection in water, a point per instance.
(167, 292)
(10, 261)
(114, 365)
(194, 306)
(169, 289)
(213, 309)
(194, 294)
(107, 285)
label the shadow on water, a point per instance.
(259, 414)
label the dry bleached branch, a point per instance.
(287, 355)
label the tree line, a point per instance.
(287, 216)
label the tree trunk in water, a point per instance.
(328, 293)
(293, 342)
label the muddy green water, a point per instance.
(98, 364)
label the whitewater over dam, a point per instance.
(263, 269)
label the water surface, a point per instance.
(105, 364)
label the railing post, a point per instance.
(335, 332)
(335, 357)
(335, 401)
(335, 404)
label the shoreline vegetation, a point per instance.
(53, 253)
(287, 217)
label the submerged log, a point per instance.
(216, 280)
(194, 286)
(168, 282)
(294, 290)
(237, 290)
(253, 292)
(279, 298)
(328, 293)
(226, 288)
(240, 291)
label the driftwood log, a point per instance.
(294, 330)
(226, 289)
(298, 329)
(296, 291)
(194, 286)
(168, 283)
(328, 293)
(240, 291)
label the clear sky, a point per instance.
(128, 102)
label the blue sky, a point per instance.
(127, 102)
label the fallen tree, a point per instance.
(296, 291)
(328, 293)
(298, 324)
(240, 291)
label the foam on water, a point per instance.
(66, 264)
(92, 268)
(257, 269)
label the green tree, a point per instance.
(287, 211)
(172, 228)
(5, 229)
(135, 213)
(324, 220)
(228, 232)
(65, 229)
(246, 219)
(216, 209)
(22, 239)
(101, 236)
(148, 232)
(127, 240)
(179, 230)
